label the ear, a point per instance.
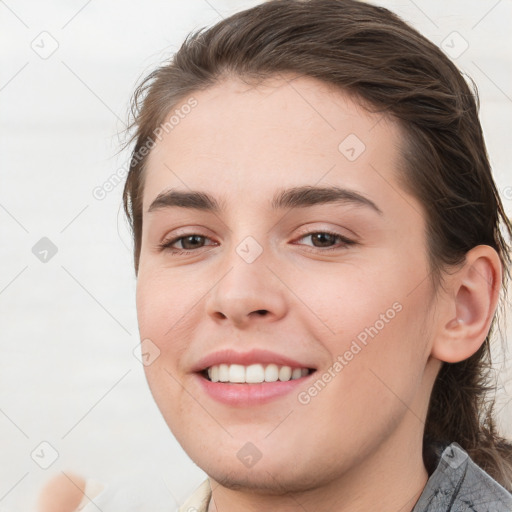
(468, 307)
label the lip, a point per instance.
(246, 395)
(255, 356)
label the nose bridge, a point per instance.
(247, 288)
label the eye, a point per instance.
(188, 242)
(322, 240)
(325, 239)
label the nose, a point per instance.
(246, 293)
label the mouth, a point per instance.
(253, 373)
(246, 379)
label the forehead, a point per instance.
(282, 132)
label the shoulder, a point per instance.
(459, 484)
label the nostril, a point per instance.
(262, 312)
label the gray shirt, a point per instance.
(459, 485)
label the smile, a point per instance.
(246, 379)
(254, 373)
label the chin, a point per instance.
(266, 477)
(262, 482)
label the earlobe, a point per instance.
(468, 310)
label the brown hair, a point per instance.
(368, 52)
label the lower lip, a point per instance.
(249, 394)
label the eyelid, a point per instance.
(333, 231)
(183, 232)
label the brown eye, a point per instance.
(191, 241)
(323, 239)
(327, 240)
(188, 243)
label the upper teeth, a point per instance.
(254, 373)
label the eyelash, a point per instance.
(167, 244)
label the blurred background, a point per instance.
(73, 396)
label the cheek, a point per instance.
(373, 320)
(160, 314)
(352, 302)
(382, 374)
(162, 317)
(163, 302)
(394, 351)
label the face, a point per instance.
(287, 306)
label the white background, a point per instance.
(68, 329)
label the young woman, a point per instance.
(320, 248)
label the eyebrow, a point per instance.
(296, 197)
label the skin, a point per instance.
(357, 444)
(62, 493)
